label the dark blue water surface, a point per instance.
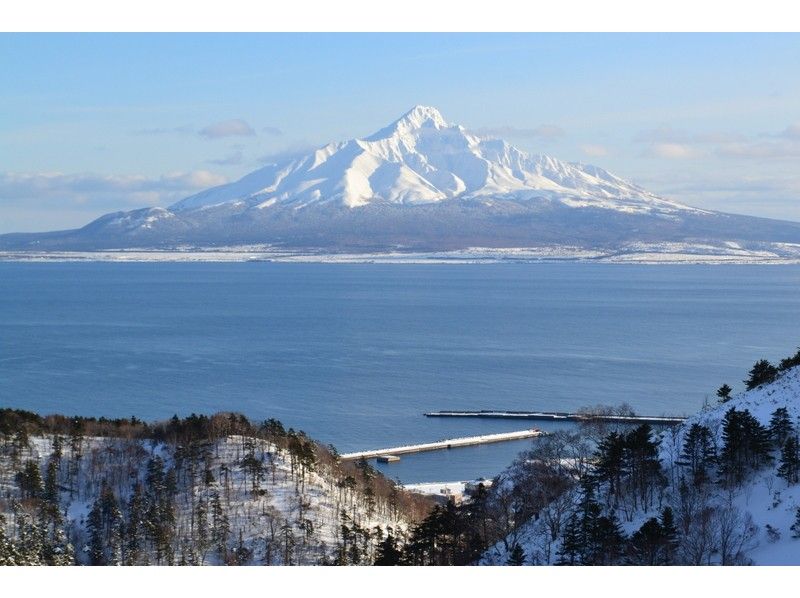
(354, 354)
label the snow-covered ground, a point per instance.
(653, 253)
(438, 488)
(767, 499)
(308, 510)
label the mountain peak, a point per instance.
(420, 116)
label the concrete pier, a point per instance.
(444, 444)
(562, 416)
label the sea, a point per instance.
(355, 354)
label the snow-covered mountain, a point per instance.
(420, 183)
(419, 159)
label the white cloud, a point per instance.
(671, 151)
(791, 132)
(761, 149)
(50, 188)
(53, 200)
(232, 159)
(596, 151)
(227, 128)
(666, 142)
(667, 134)
(182, 130)
(540, 132)
(736, 191)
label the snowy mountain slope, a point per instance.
(282, 517)
(763, 502)
(420, 183)
(421, 158)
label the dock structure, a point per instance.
(563, 416)
(443, 444)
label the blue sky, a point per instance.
(95, 123)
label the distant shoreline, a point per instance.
(671, 253)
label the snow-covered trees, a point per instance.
(186, 492)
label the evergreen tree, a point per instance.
(790, 362)
(763, 372)
(220, 527)
(96, 549)
(30, 480)
(643, 463)
(517, 556)
(698, 453)
(796, 525)
(780, 426)
(388, 555)
(571, 542)
(51, 483)
(724, 393)
(135, 529)
(202, 532)
(608, 541)
(670, 534)
(610, 463)
(746, 445)
(789, 468)
(646, 546)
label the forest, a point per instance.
(195, 491)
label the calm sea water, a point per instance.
(354, 354)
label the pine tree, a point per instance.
(51, 483)
(609, 540)
(789, 468)
(94, 525)
(670, 534)
(517, 556)
(643, 463)
(201, 518)
(610, 463)
(724, 393)
(746, 445)
(135, 530)
(646, 545)
(698, 453)
(763, 372)
(9, 553)
(790, 362)
(388, 554)
(30, 480)
(571, 542)
(796, 525)
(780, 426)
(220, 527)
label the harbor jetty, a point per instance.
(390, 454)
(563, 416)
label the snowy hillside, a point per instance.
(235, 500)
(748, 521)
